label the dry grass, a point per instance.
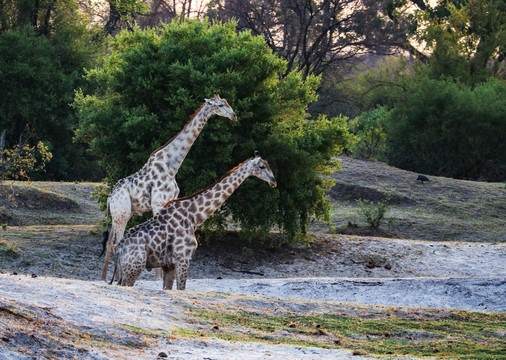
(48, 203)
(443, 209)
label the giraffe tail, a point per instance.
(104, 242)
(116, 265)
(106, 232)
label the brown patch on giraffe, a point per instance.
(199, 219)
(192, 208)
(159, 167)
(178, 216)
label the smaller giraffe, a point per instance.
(168, 241)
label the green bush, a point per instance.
(38, 75)
(153, 80)
(447, 128)
(369, 129)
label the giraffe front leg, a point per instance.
(182, 256)
(182, 265)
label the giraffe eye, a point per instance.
(261, 166)
(221, 105)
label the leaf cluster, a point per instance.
(21, 161)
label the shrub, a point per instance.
(154, 79)
(373, 213)
(447, 128)
(369, 129)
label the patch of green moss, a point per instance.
(457, 334)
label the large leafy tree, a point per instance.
(466, 39)
(447, 110)
(317, 36)
(154, 79)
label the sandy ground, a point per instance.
(98, 310)
(334, 271)
(376, 271)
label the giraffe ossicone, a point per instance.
(155, 183)
(167, 240)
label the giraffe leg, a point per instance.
(120, 207)
(116, 234)
(182, 258)
(182, 272)
(131, 262)
(108, 253)
(169, 273)
(158, 200)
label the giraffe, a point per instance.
(167, 240)
(155, 183)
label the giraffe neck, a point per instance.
(175, 151)
(205, 203)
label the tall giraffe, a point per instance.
(155, 183)
(168, 241)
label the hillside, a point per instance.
(48, 203)
(443, 209)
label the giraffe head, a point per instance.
(221, 107)
(260, 168)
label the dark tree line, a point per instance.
(314, 36)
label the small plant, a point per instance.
(374, 213)
(4, 227)
(9, 251)
(246, 251)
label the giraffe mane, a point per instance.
(175, 136)
(210, 186)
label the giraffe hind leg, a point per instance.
(116, 266)
(169, 273)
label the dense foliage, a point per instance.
(446, 114)
(369, 129)
(153, 80)
(43, 49)
(447, 128)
